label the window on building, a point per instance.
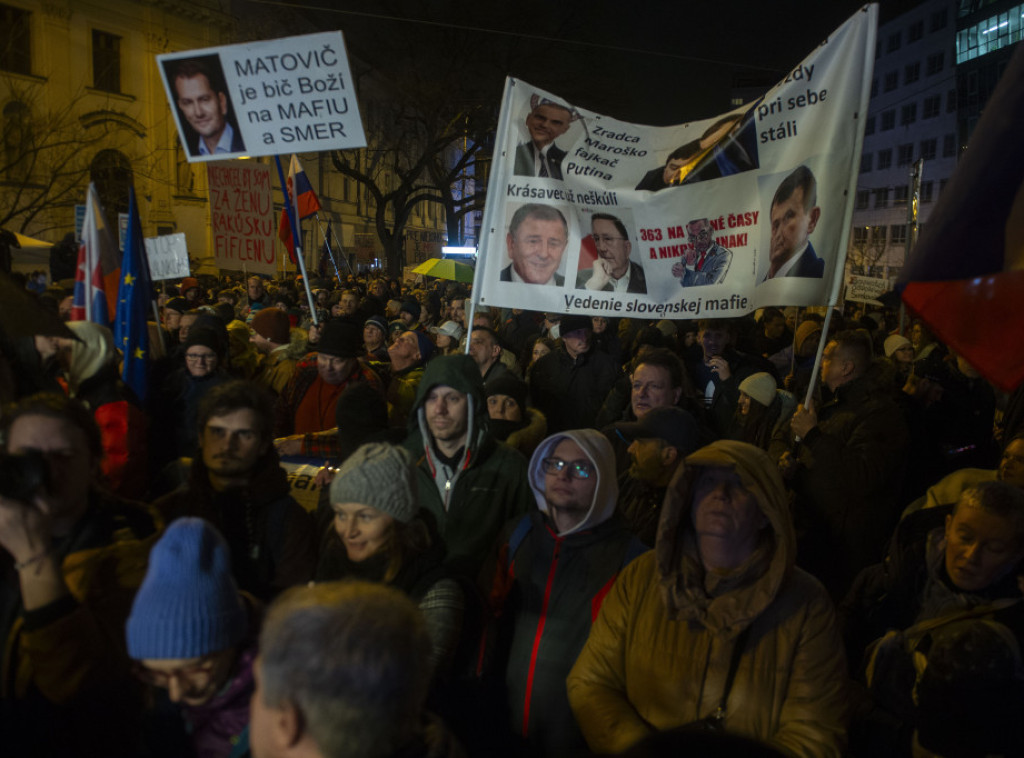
(931, 107)
(893, 43)
(860, 236)
(949, 146)
(874, 87)
(878, 235)
(892, 81)
(905, 155)
(882, 197)
(869, 126)
(908, 114)
(929, 149)
(899, 195)
(951, 101)
(939, 19)
(911, 73)
(915, 31)
(942, 186)
(936, 61)
(885, 159)
(863, 198)
(888, 120)
(15, 40)
(927, 190)
(17, 137)
(865, 163)
(106, 61)
(898, 234)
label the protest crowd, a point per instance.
(532, 534)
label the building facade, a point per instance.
(81, 100)
(912, 116)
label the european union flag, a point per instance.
(134, 295)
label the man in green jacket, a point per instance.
(470, 482)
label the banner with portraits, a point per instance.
(714, 218)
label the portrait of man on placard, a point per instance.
(535, 243)
(539, 155)
(612, 269)
(793, 216)
(203, 106)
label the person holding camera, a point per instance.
(71, 556)
(716, 628)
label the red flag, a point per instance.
(966, 276)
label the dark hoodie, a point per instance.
(473, 496)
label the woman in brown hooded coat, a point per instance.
(659, 654)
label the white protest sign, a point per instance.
(866, 289)
(288, 95)
(587, 214)
(168, 257)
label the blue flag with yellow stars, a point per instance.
(134, 294)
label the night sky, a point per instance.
(648, 61)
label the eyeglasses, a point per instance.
(577, 469)
(604, 239)
(184, 673)
(204, 357)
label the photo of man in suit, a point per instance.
(536, 240)
(794, 215)
(612, 271)
(546, 122)
(204, 108)
(705, 261)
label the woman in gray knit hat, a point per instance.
(379, 533)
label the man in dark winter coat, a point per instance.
(569, 385)
(469, 481)
(237, 484)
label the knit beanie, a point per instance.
(178, 304)
(804, 332)
(760, 387)
(411, 307)
(272, 324)
(207, 338)
(895, 342)
(427, 346)
(188, 605)
(507, 383)
(381, 476)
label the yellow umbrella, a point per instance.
(27, 243)
(445, 268)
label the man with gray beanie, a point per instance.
(471, 483)
(566, 554)
(192, 633)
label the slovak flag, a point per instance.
(98, 272)
(300, 196)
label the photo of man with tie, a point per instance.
(705, 261)
(540, 156)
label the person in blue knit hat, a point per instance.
(192, 632)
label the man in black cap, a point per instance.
(568, 385)
(658, 443)
(307, 403)
(410, 313)
(173, 309)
